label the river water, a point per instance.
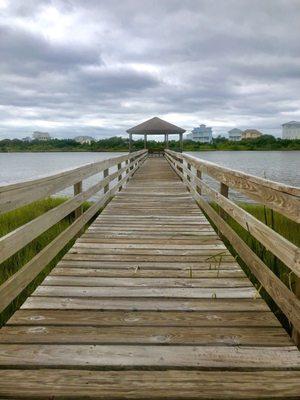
(281, 166)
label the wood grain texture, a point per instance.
(169, 385)
(148, 304)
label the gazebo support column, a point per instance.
(167, 140)
(181, 141)
(145, 141)
(130, 143)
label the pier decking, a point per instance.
(148, 304)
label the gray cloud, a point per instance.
(98, 67)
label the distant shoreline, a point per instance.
(120, 144)
(126, 151)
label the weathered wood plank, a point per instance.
(146, 273)
(146, 282)
(204, 336)
(123, 356)
(161, 385)
(207, 264)
(149, 304)
(144, 318)
(132, 291)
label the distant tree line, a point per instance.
(265, 142)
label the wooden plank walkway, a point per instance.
(148, 304)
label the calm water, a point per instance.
(20, 167)
(281, 166)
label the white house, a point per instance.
(202, 134)
(291, 130)
(41, 136)
(235, 134)
(84, 139)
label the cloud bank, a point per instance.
(98, 67)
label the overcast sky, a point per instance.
(98, 67)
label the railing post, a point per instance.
(189, 167)
(105, 175)
(224, 190)
(295, 333)
(179, 168)
(77, 190)
(120, 176)
(127, 169)
(199, 175)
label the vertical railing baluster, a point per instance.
(77, 190)
(105, 175)
(199, 175)
(224, 190)
(120, 175)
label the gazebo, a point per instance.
(156, 126)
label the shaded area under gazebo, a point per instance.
(156, 126)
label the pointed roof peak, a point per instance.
(155, 126)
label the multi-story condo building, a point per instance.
(251, 134)
(41, 135)
(202, 134)
(291, 130)
(235, 134)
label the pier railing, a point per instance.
(278, 197)
(17, 195)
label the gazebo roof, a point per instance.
(155, 126)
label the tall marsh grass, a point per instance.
(16, 218)
(282, 225)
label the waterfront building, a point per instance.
(84, 139)
(251, 134)
(27, 139)
(41, 136)
(202, 134)
(235, 134)
(291, 130)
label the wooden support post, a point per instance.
(145, 141)
(181, 141)
(127, 169)
(199, 175)
(295, 333)
(179, 168)
(105, 175)
(120, 176)
(77, 190)
(130, 142)
(189, 167)
(224, 189)
(131, 161)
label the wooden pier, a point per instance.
(148, 303)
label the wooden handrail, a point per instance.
(286, 251)
(17, 239)
(19, 194)
(277, 196)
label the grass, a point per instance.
(286, 228)
(12, 220)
